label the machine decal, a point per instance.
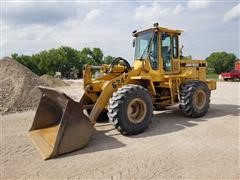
(120, 81)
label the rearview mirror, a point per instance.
(134, 42)
(181, 50)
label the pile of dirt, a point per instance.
(53, 82)
(18, 87)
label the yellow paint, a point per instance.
(100, 90)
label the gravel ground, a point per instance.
(172, 147)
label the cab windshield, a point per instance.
(142, 43)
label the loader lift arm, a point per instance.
(107, 90)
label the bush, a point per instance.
(221, 61)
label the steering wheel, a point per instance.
(117, 60)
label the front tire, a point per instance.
(130, 109)
(194, 99)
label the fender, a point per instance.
(108, 89)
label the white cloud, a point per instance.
(155, 11)
(92, 14)
(178, 9)
(109, 27)
(232, 13)
(198, 4)
(151, 13)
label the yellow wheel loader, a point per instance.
(160, 77)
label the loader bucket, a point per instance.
(59, 125)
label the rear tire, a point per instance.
(194, 99)
(130, 109)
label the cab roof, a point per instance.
(161, 29)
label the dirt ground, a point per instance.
(173, 147)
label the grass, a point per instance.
(212, 75)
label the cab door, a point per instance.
(169, 52)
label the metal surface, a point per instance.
(137, 110)
(199, 99)
(59, 125)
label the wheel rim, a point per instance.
(137, 110)
(200, 99)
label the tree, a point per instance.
(49, 61)
(63, 59)
(28, 62)
(94, 57)
(86, 55)
(97, 56)
(108, 59)
(221, 61)
(71, 59)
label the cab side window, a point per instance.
(166, 51)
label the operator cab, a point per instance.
(158, 45)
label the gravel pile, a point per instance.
(18, 87)
(53, 82)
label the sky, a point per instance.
(28, 27)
